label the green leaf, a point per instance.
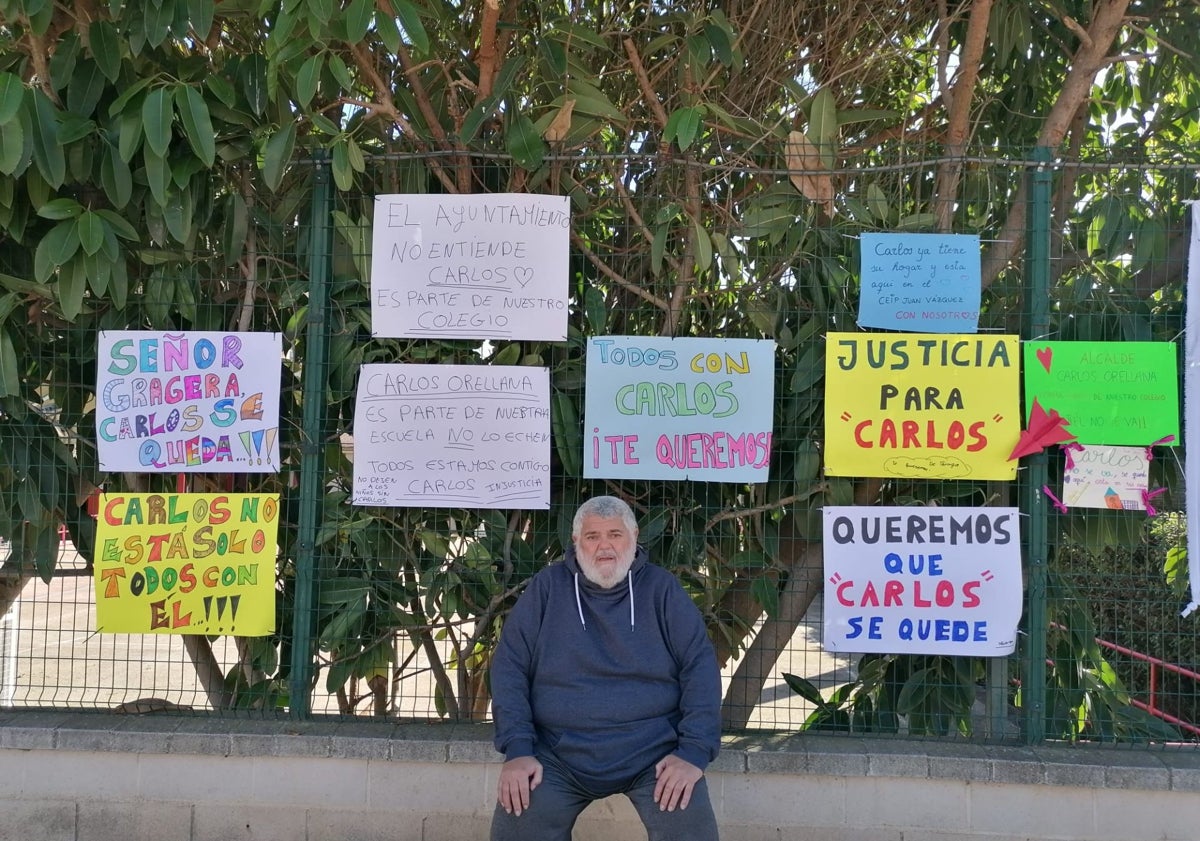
(12, 94)
(804, 689)
(236, 224)
(720, 43)
(278, 154)
(591, 100)
(341, 73)
(85, 89)
(158, 175)
(178, 216)
(57, 209)
(47, 150)
(72, 284)
(91, 232)
(567, 437)
(115, 176)
(197, 125)
(10, 378)
(201, 13)
(823, 120)
(343, 172)
(389, 33)
(806, 464)
(524, 143)
(156, 121)
(118, 224)
(221, 88)
(15, 147)
(597, 312)
(157, 18)
(508, 355)
(129, 132)
(55, 249)
(658, 247)
(877, 201)
(118, 283)
(307, 78)
(410, 22)
(682, 126)
(358, 161)
(72, 127)
(703, 246)
(357, 17)
(766, 593)
(98, 269)
(253, 76)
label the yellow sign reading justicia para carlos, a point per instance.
(186, 563)
(921, 406)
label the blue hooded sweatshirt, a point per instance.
(607, 681)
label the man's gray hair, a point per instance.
(604, 507)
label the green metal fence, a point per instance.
(393, 612)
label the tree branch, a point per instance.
(959, 118)
(1108, 19)
(384, 106)
(487, 49)
(608, 272)
(647, 89)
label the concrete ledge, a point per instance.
(1146, 768)
(66, 776)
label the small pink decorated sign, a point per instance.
(1107, 477)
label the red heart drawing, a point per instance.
(1044, 355)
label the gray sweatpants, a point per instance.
(557, 801)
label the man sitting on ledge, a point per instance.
(605, 682)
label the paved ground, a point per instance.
(60, 661)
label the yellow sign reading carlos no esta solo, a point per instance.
(186, 563)
(921, 406)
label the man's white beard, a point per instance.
(594, 575)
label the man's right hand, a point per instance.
(518, 777)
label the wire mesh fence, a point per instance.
(394, 611)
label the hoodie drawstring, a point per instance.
(579, 602)
(629, 575)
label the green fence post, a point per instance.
(312, 469)
(1037, 284)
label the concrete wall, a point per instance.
(81, 777)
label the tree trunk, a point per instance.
(803, 584)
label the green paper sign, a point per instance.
(1110, 392)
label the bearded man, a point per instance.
(604, 682)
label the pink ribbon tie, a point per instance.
(1067, 450)
(1057, 502)
(1150, 449)
(1147, 496)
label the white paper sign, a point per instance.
(188, 402)
(459, 436)
(1191, 405)
(910, 580)
(482, 266)
(1107, 477)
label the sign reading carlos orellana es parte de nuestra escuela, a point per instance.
(461, 436)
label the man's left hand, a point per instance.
(676, 778)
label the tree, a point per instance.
(154, 173)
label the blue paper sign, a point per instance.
(925, 283)
(690, 408)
